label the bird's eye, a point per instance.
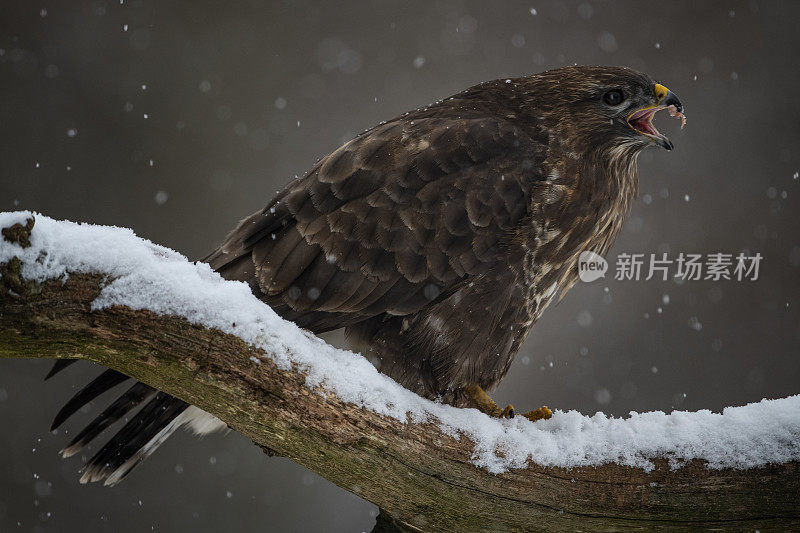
(614, 97)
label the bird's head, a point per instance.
(608, 106)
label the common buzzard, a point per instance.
(436, 239)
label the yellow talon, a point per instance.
(542, 413)
(484, 403)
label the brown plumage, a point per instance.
(439, 237)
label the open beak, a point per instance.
(642, 119)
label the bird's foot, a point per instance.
(484, 403)
(542, 413)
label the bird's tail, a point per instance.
(159, 416)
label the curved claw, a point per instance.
(508, 412)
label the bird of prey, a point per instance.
(436, 239)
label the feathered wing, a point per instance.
(386, 225)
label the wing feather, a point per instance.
(408, 205)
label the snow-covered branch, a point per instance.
(102, 294)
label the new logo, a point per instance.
(591, 266)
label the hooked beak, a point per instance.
(642, 119)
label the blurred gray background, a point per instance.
(177, 119)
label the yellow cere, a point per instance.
(661, 91)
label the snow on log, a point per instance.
(103, 294)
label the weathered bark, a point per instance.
(415, 473)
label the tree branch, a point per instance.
(419, 475)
